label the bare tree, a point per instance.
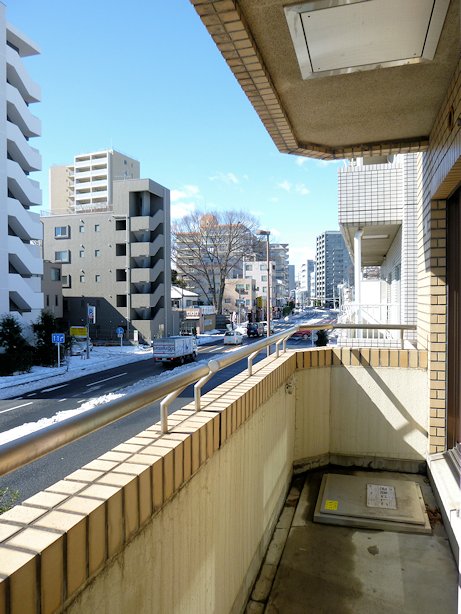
(208, 246)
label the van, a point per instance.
(255, 329)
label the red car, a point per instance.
(302, 333)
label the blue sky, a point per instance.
(145, 78)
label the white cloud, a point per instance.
(183, 201)
(301, 161)
(328, 162)
(284, 185)
(227, 178)
(302, 189)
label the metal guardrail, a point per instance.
(20, 452)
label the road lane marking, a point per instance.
(32, 394)
(17, 407)
(61, 400)
(107, 379)
(54, 388)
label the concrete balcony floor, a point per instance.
(317, 568)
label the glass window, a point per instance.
(97, 253)
(97, 228)
(82, 279)
(81, 228)
(97, 278)
(263, 277)
(249, 267)
(62, 256)
(82, 253)
(56, 300)
(55, 274)
(66, 281)
(61, 232)
(47, 300)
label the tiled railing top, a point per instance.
(364, 357)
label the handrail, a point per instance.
(22, 451)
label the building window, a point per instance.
(47, 300)
(120, 249)
(55, 274)
(82, 279)
(121, 300)
(120, 224)
(81, 228)
(120, 275)
(61, 232)
(66, 281)
(97, 253)
(97, 228)
(263, 277)
(62, 256)
(248, 267)
(97, 278)
(227, 300)
(56, 300)
(82, 253)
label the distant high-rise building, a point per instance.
(291, 277)
(333, 266)
(110, 243)
(21, 264)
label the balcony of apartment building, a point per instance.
(261, 495)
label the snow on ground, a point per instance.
(102, 358)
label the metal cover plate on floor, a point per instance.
(371, 501)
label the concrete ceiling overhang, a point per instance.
(378, 109)
(376, 241)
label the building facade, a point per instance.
(87, 183)
(333, 267)
(21, 265)
(117, 258)
(378, 217)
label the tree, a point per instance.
(46, 354)
(176, 281)
(208, 246)
(17, 355)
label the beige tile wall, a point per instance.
(440, 173)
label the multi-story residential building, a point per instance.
(256, 270)
(306, 289)
(21, 265)
(333, 267)
(377, 199)
(279, 253)
(239, 298)
(291, 278)
(87, 184)
(117, 258)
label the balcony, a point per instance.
(181, 520)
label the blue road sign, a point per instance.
(57, 338)
(119, 330)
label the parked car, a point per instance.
(255, 329)
(233, 337)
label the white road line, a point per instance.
(17, 407)
(32, 394)
(54, 388)
(218, 349)
(61, 400)
(107, 379)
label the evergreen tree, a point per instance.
(17, 354)
(45, 326)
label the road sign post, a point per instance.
(58, 338)
(119, 330)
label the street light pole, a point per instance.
(266, 233)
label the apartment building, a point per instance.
(87, 184)
(377, 200)
(115, 256)
(21, 265)
(333, 267)
(306, 285)
(256, 271)
(239, 298)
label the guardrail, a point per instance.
(29, 448)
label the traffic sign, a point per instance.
(57, 338)
(119, 330)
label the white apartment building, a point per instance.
(377, 217)
(21, 265)
(87, 184)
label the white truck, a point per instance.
(177, 349)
